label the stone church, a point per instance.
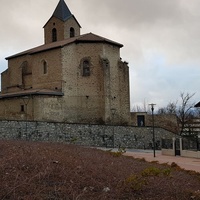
(71, 78)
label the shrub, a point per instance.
(116, 154)
(153, 171)
(135, 182)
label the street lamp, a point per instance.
(26, 100)
(113, 110)
(154, 148)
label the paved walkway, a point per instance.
(183, 162)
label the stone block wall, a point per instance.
(36, 78)
(84, 134)
(166, 121)
(53, 77)
(63, 29)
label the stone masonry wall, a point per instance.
(166, 121)
(63, 29)
(87, 135)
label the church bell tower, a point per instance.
(62, 25)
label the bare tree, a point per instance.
(169, 109)
(184, 110)
(142, 108)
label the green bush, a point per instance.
(153, 171)
(135, 182)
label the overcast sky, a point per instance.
(161, 39)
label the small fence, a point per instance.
(167, 144)
(186, 147)
(191, 143)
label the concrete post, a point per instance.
(174, 141)
(181, 146)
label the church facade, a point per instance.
(71, 78)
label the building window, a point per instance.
(54, 35)
(26, 72)
(26, 68)
(140, 120)
(86, 68)
(72, 32)
(22, 108)
(45, 67)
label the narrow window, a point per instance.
(44, 67)
(25, 68)
(86, 68)
(54, 35)
(72, 32)
(22, 108)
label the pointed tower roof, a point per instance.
(62, 12)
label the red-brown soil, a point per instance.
(54, 171)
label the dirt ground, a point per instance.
(38, 170)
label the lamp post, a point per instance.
(26, 100)
(113, 110)
(152, 110)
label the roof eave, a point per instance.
(98, 41)
(63, 20)
(7, 96)
(35, 52)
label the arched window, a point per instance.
(26, 69)
(72, 32)
(26, 72)
(45, 67)
(54, 35)
(86, 68)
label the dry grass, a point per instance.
(30, 170)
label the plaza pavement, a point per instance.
(183, 162)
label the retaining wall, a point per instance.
(84, 134)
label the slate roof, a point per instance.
(62, 12)
(85, 38)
